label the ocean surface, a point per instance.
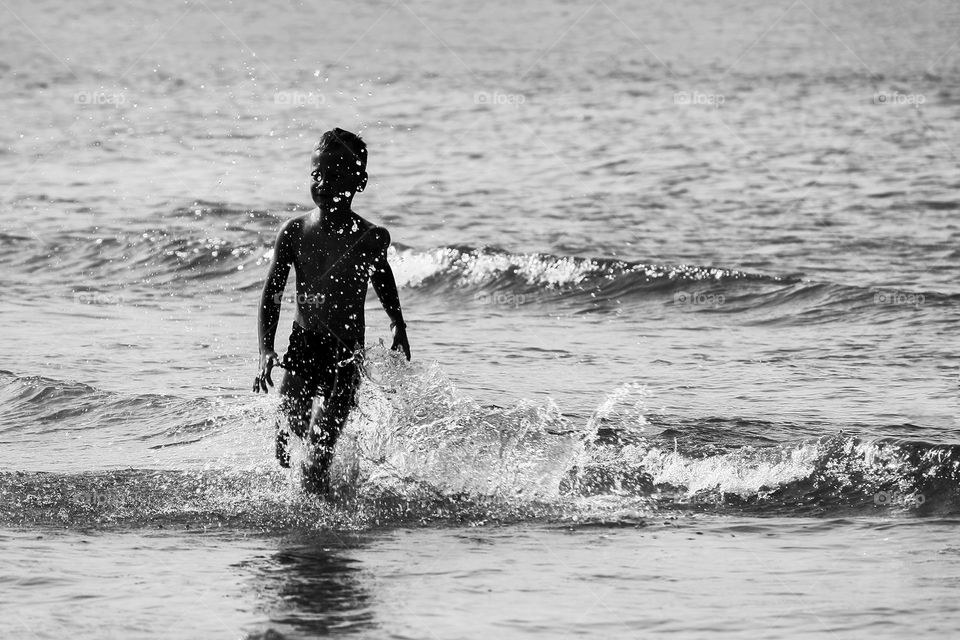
(681, 281)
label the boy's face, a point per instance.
(336, 171)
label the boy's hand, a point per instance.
(268, 360)
(400, 340)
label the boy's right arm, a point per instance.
(269, 313)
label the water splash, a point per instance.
(418, 450)
(417, 432)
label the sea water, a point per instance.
(681, 287)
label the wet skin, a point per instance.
(335, 254)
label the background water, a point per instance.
(681, 281)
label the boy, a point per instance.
(335, 253)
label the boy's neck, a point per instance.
(334, 214)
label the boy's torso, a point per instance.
(333, 268)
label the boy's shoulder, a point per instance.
(379, 234)
(288, 240)
(293, 225)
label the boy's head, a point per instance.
(339, 164)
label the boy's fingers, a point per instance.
(402, 346)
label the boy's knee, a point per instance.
(297, 415)
(327, 429)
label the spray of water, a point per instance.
(418, 450)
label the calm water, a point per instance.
(681, 281)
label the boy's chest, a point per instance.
(324, 255)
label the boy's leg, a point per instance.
(296, 401)
(339, 399)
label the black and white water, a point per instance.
(682, 287)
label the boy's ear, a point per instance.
(363, 182)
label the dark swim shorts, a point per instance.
(330, 367)
(326, 364)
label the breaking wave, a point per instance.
(419, 451)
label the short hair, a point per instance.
(350, 142)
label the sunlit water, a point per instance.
(681, 281)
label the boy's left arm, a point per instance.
(386, 287)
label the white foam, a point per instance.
(411, 268)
